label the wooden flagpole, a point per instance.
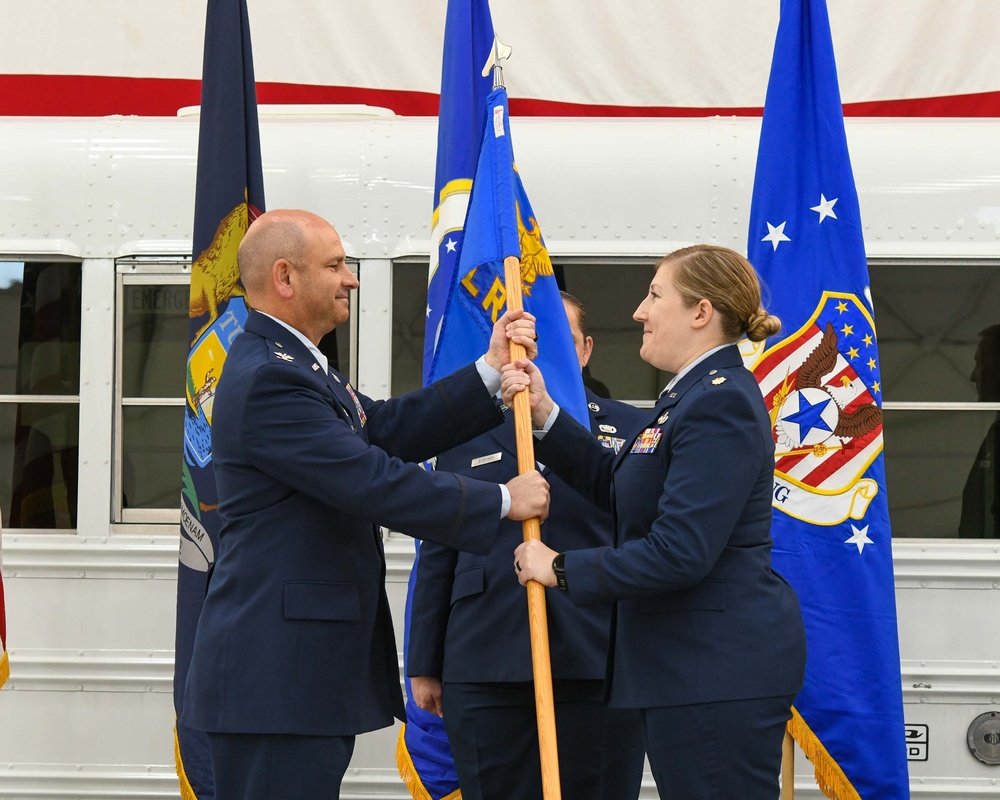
(788, 767)
(545, 709)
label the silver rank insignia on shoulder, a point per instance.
(284, 356)
(490, 459)
(593, 407)
(720, 380)
(315, 367)
(608, 428)
(662, 418)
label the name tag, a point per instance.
(647, 441)
(478, 462)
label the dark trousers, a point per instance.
(717, 751)
(494, 739)
(250, 766)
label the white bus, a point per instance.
(95, 238)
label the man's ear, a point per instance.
(588, 349)
(281, 277)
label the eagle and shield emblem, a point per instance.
(822, 387)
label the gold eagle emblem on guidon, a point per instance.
(535, 259)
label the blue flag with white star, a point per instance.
(821, 379)
(468, 40)
(423, 754)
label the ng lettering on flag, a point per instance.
(821, 380)
(229, 195)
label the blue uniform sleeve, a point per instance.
(428, 421)
(430, 606)
(291, 433)
(716, 457)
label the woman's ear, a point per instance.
(704, 312)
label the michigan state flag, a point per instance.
(229, 195)
(822, 382)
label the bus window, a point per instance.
(39, 393)
(609, 292)
(152, 353)
(409, 306)
(939, 345)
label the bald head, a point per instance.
(293, 267)
(283, 233)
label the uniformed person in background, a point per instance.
(979, 519)
(469, 655)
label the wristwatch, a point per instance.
(559, 568)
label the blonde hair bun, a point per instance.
(761, 325)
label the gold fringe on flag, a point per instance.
(409, 773)
(187, 793)
(4, 669)
(829, 776)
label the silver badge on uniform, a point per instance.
(608, 428)
(663, 418)
(284, 356)
(593, 407)
(490, 459)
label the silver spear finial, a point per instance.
(500, 52)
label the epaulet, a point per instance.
(714, 378)
(278, 352)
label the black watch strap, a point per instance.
(559, 568)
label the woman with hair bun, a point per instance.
(708, 640)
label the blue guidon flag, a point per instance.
(482, 215)
(229, 195)
(822, 382)
(501, 223)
